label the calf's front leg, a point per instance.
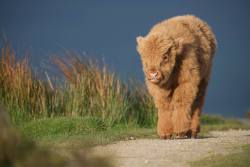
(182, 100)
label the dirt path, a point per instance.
(173, 153)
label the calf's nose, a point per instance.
(153, 74)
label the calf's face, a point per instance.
(158, 56)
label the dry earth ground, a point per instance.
(172, 153)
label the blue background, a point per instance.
(107, 30)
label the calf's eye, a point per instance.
(165, 58)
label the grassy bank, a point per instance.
(240, 159)
(18, 151)
(88, 103)
(80, 131)
(212, 122)
(77, 132)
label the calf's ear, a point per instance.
(139, 40)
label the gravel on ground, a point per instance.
(172, 153)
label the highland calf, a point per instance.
(177, 57)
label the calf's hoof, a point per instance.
(165, 137)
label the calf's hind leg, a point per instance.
(197, 109)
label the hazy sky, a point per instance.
(107, 30)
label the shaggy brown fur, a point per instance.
(177, 58)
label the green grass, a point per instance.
(19, 151)
(77, 132)
(212, 122)
(239, 159)
(80, 130)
